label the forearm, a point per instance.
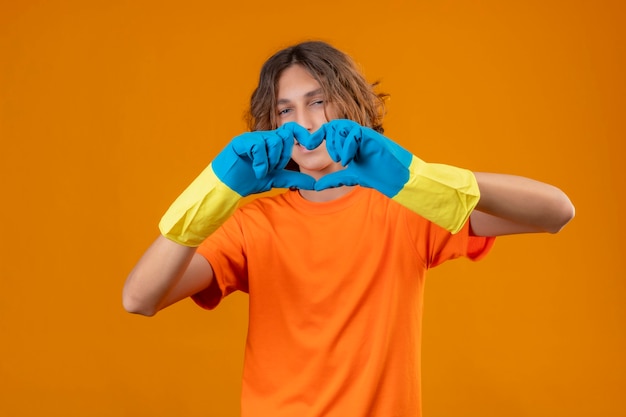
(523, 201)
(158, 271)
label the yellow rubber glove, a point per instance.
(444, 194)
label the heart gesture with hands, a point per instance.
(255, 162)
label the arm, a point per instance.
(446, 195)
(167, 272)
(511, 204)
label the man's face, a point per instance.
(301, 99)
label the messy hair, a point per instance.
(341, 81)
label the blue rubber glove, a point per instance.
(254, 162)
(443, 194)
(251, 163)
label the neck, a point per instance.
(325, 195)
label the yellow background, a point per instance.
(109, 108)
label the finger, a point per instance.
(252, 146)
(289, 179)
(288, 130)
(337, 179)
(297, 132)
(343, 140)
(274, 147)
(260, 161)
(303, 136)
(344, 126)
(332, 138)
(350, 145)
(286, 140)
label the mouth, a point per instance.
(302, 147)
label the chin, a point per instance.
(320, 168)
(315, 161)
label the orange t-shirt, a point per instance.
(335, 293)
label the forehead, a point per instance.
(296, 82)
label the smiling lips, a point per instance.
(302, 148)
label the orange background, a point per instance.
(109, 108)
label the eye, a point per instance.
(317, 103)
(283, 112)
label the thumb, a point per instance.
(337, 179)
(288, 179)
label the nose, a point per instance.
(305, 120)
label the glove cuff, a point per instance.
(199, 210)
(444, 194)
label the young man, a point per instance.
(335, 266)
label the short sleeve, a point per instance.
(436, 245)
(479, 246)
(225, 252)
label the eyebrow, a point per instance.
(307, 95)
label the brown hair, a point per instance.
(340, 79)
